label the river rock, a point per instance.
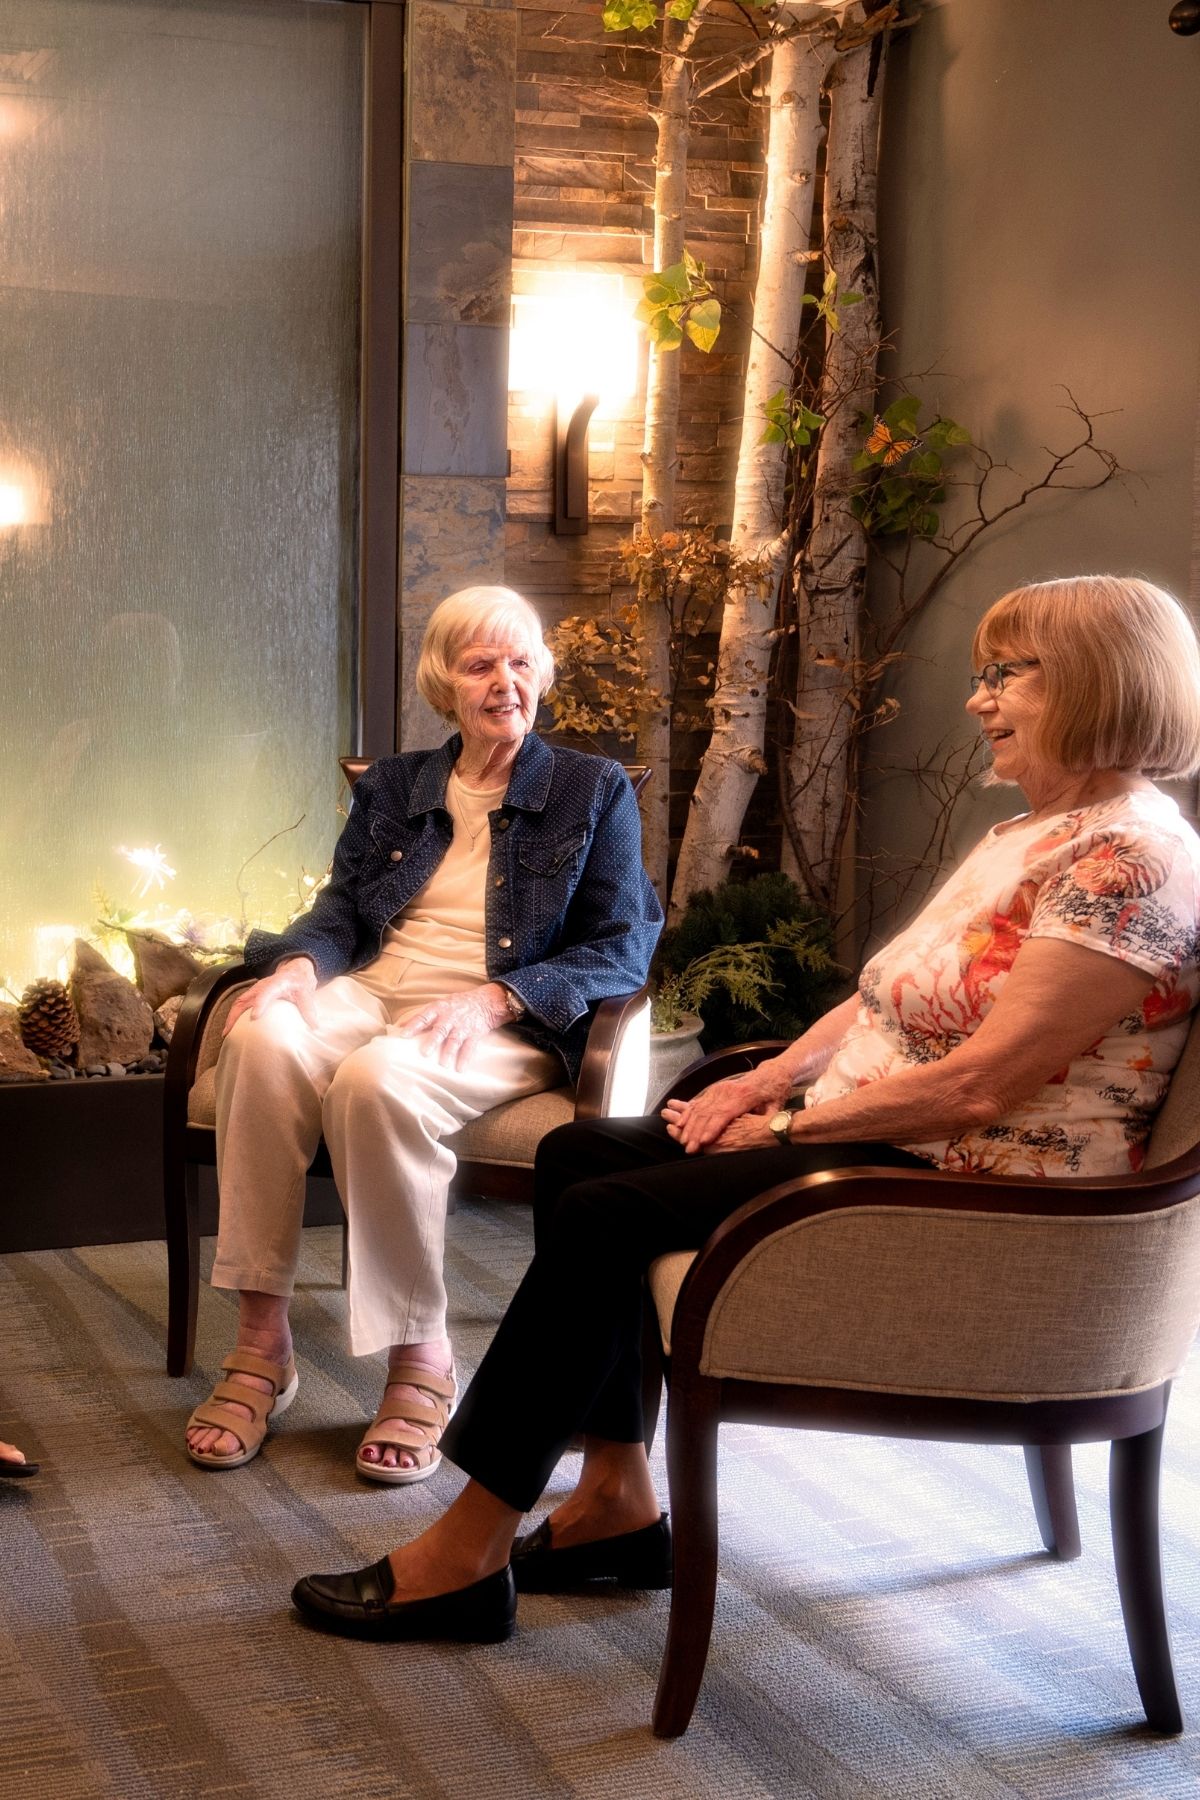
(166, 1015)
(163, 968)
(115, 1021)
(17, 1063)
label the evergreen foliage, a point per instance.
(753, 958)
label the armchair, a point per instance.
(495, 1152)
(1060, 1313)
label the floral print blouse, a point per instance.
(1122, 878)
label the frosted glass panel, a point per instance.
(180, 203)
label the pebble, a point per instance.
(115, 1068)
(58, 1073)
(96, 1069)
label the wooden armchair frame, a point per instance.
(698, 1404)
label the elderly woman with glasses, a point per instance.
(1025, 1022)
(485, 897)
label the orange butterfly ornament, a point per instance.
(883, 441)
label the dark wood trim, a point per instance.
(382, 278)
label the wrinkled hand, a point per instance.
(294, 980)
(750, 1132)
(697, 1124)
(454, 1026)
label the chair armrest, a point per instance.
(615, 1071)
(912, 1191)
(188, 1036)
(719, 1065)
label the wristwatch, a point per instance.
(515, 1005)
(781, 1125)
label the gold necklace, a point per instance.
(456, 812)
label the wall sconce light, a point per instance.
(574, 339)
(22, 499)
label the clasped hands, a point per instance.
(453, 1026)
(732, 1114)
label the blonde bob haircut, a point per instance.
(476, 615)
(1121, 667)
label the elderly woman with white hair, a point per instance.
(485, 897)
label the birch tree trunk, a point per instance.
(820, 791)
(733, 760)
(659, 453)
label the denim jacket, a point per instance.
(571, 916)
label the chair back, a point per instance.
(1177, 1128)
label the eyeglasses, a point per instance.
(993, 675)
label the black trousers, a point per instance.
(609, 1198)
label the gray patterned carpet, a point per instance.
(886, 1625)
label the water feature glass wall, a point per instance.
(180, 203)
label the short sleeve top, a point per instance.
(1121, 878)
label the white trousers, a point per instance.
(384, 1105)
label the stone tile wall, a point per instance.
(461, 68)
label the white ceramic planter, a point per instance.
(671, 1052)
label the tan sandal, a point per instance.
(412, 1425)
(217, 1413)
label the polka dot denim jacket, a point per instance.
(572, 917)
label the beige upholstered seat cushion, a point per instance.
(511, 1133)
(938, 1302)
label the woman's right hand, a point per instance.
(294, 980)
(695, 1124)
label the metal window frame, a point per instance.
(380, 375)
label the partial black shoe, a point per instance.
(356, 1605)
(17, 1471)
(635, 1559)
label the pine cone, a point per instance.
(47, 1020)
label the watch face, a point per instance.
(780, 1125)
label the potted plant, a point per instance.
(748, 959)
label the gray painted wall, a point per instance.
(1041, 212)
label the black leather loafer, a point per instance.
(635, 1559)
(356, 1605)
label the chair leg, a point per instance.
(182, 1202)
(692, 1486)
(1052, 1486)
(345, 1252)
(1133, 1508)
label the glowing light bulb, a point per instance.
(155, 870)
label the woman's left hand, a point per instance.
(455, 1025)
(750, 1132)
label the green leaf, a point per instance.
(778, 403)
(693, 269)
(925, 524)
(774, 434)
(681, 9)
(703, 324)
(666, 333)
(617, 15)
(812, 421)
(864, 460)
(809, 300)
(674, 280)
(850, 298)
(957, 434)
(647, 310)
(902, 415)
(925, 462)
(644, 15)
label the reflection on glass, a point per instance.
(179, 268)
